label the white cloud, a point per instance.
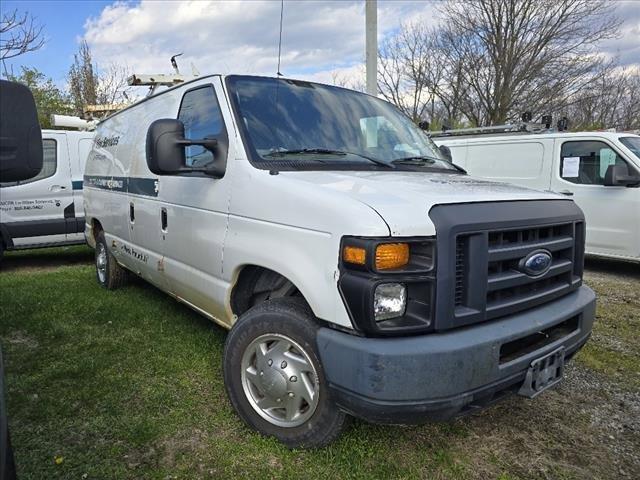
(240, 37)
(320, 39)
(627, 46)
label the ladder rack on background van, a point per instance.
(70, 121)
(92, 115)
(525, 126)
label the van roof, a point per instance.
(486, 138)
(180, 85)
(71, 132)
(155, 95)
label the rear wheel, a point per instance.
(109, 274)
(274, 378)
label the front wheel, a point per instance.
(274, 378)
(109, 274)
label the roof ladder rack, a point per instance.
(159, 80)
(525, 126)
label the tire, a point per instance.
(289, 375)
(109, 274)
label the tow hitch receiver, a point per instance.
(543, 373)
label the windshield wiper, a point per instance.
(423, 159)
(327, 151)
(416, 159)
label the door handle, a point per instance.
(57, 188)
(163, 219)
(568, 193)
(132, 213)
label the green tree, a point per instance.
(49, 98)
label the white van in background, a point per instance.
(600, 171)
(47, 210)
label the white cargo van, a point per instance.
(600, 171)
(47, 210)
(358, 271)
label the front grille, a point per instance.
(507, 289)
(461, 263)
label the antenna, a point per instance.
(280, 39)
(174, 64)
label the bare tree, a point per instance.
(612, 100)
(409, 73)
(112, 84)
(88, 86)
(19, 34)
(522, 54)
(352, 82)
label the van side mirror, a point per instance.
(618, 176)
(166, 149)
(446, 152)
(20, 135)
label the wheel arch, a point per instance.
(254, 284)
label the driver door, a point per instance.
(612, 213)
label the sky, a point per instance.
(319, 40)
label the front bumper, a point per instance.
(441, 375)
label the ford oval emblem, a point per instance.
(536, 263)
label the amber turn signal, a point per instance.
(354, 255)
(392, 255)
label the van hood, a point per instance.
(403, 199)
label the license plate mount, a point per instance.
(543, 373)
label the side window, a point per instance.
(202, 118)
(49, 163)
(586, 162)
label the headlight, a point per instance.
(390, 301)
(388, 284)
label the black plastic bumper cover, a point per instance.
(441, 375)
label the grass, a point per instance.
(616, 348)
(128, 384)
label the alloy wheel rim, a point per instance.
(101, 262)
(279, 380)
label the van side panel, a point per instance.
(105, 182)
(522, 163)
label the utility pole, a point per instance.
(371, 51)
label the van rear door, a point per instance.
(79, 147)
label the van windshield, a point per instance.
(297, 124)
(633, 144)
